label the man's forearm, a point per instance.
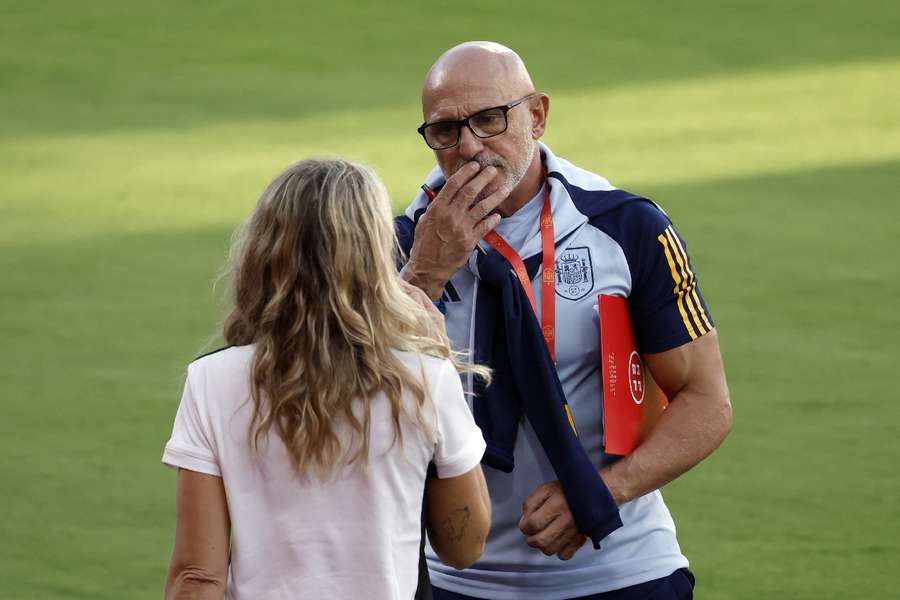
(424, 279)
(687, 432)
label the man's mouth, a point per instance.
(483, 163)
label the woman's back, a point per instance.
(303, 447)
(354, 533)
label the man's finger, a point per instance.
(467, 194)
(553, 538)
(486, 225)
(453, 184)
(533, 522)
(535, 500)
(537, 520)
(487, 205)
(572, 547)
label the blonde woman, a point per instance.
(302, 448)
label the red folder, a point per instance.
(632, 402)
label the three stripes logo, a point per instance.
(695, 319)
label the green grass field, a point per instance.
(135, 136)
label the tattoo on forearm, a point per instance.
(455, 525)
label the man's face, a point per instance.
(510, 153)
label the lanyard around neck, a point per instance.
(548, 272)
(548, 279)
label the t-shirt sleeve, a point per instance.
(191, 445)
(459, 443)
(667, 308)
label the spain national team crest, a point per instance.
(574, 273)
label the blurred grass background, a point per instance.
(135, 136)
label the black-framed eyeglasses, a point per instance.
(486, 123)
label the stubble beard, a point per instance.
(513, 173)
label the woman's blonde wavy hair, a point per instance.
(316, 289)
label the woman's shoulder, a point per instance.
(223, 355)
(431, 367)
(222, 361)
(220, 379)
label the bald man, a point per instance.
(483, 119)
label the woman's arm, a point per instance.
(459, 517)
(199, 566)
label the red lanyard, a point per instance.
(548, 272)
(548, 279)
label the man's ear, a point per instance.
(539, 112)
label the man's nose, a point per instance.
(469, 143)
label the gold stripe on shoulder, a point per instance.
(679, 293)
(693, 284)
(687, 277)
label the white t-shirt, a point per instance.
(354, 535)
